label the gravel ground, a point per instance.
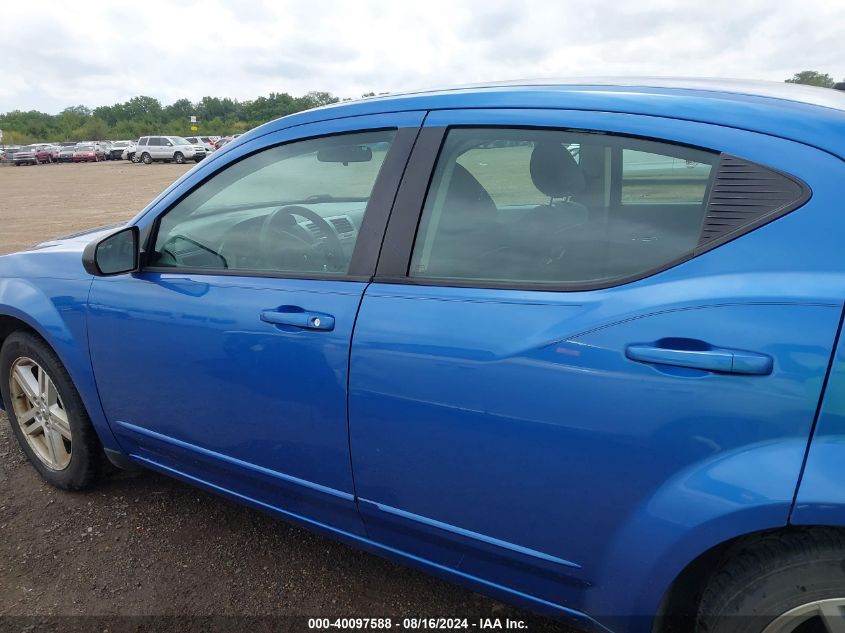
(45, 201)
(142, 545)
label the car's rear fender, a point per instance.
(55, 309)
(737, 493)
(820, 499)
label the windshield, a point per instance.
(178, 140)
(84, 148)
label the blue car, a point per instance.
(576, 346)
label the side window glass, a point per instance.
(559, 207)
(142, 141)
(649, 178)
(293, 208)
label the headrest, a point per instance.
(555, 172)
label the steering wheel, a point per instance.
(282, 223)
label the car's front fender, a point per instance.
(56, 310)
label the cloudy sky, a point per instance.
(57, 53)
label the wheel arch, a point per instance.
(61, 323)
(687, 521)
(680, 601)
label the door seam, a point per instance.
(816, 417)
(355, 324)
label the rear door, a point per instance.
(154, 147)
(579, 362)
(164, 147)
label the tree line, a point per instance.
(146, 115)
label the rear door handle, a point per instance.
(297, 317)
(716, 359)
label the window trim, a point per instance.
(394, 265)
(362, 264)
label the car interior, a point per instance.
(579, 207)
(544, 206)
(294, 208)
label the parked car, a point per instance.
(117, 148)
(66, 153)
(167, 148)
(225, 140)
(8, 152)
(25, 156)
(47, 154)
(574, 346)
(203, 142)
(86, 153)
(129, 152)
(102, 147)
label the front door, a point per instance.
(225, 360)
(572, 367)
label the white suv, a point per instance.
(167, 148)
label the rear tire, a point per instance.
(146, 158)
(24, 352)
(778, 583)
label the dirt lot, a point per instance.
(45, 201)
(144, 545)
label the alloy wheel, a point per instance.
(40, 413)
(820, 616)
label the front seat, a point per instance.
(468, 229)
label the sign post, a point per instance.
(194, 126)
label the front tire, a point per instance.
(47, 415)
(791, 582)
(179, 158)
(146, 158)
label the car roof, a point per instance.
(814, 116)
(810, 95)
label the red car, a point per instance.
(88, 154)
(47, 154)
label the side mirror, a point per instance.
(114, 254)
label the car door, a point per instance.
(154, 147)
(224, 360)
(142, 146)
(591, 349)
(164, 148)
